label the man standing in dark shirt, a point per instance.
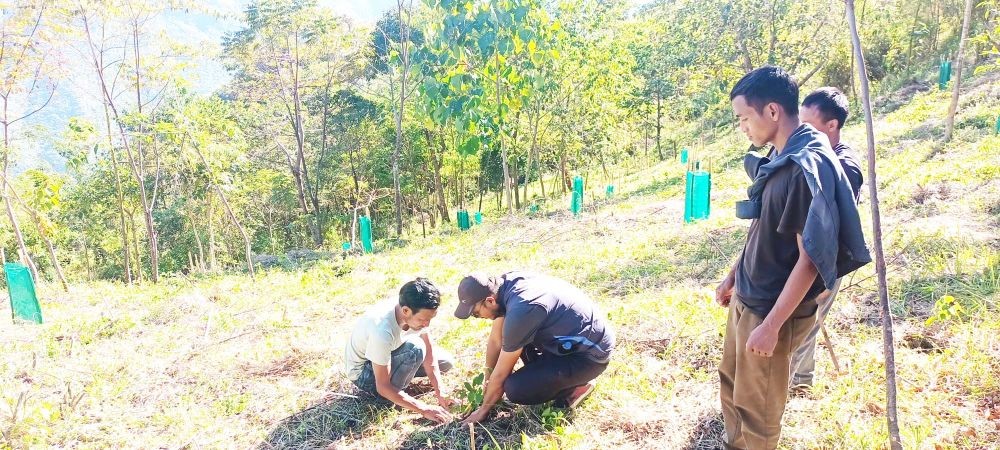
(553, 327)
(771, 289)
(826, 109)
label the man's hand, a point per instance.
(762, 340)
(477, 416)
(724, 293)
(445, 401)
(435, 413)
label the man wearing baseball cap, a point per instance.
(550, 325)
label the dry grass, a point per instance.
(225, 362)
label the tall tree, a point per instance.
(493, 45)
(26, 88)
(404, 18)
(149, 72)
(204, 123)
(277, 61)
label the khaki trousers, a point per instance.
(754, 388)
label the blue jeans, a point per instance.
(406, 362)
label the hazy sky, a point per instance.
(76, 94)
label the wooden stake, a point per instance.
(829, 347)
(892, 416)
(472, 436)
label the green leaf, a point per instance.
(505, 46)
(471, 147)
(520, 13)
(485, 42)
(526, 35)
(456, 82)
(431, 86)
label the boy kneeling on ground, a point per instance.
(390, 345)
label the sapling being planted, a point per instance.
(471, 394)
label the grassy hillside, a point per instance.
(226, 362)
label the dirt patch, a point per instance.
(989, 406)
(287, 365)
(921, 343)
(708, 434)
(901, 96)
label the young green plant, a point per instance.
(471, 393)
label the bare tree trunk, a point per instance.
(563, 172)
(481, 191)
(745, 53)
(395, 169)
(953, 108)
(86, 259)
(135, 247)
(531, 155)
(121, 196)
(774, 32)
(201, 248)
(461, 182)
(139, 169)
(659, 124)
(913, 29)
(645, 133)
(14, 69)
(503, 148)
(514, 175)
(232, 216)
(213, 262)
(890, 355)
(404, 34)
(300, 142)
(248, 251)
(438, 185)
(812, 72)
(937, 26)
(22, 248)
(39, 226)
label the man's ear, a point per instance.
(772, 111)
(407, 311)
(831, 125)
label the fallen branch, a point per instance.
(194, 353)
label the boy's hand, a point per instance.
(762, 341)
(435, 413)
(445, 401)
(477, 416)
(724, 293)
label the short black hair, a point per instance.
(768, 84)
(419, 294)
(830, 102)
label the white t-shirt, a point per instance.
(376, 334)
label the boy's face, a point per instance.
(812, 116)
(487, 309)
(759, 126)
(418, 320)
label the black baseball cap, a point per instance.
(471, 290)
